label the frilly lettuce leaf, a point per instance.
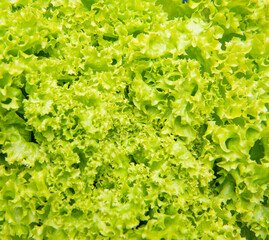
(134, 119)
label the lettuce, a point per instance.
(143, 119)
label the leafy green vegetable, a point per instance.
(138, 119)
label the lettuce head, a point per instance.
(134, 119)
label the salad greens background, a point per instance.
(138, 119)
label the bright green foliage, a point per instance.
(134, 119)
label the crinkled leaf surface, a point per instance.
(138, 119)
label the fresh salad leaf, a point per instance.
(134, 119)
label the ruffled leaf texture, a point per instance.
(134, 119)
